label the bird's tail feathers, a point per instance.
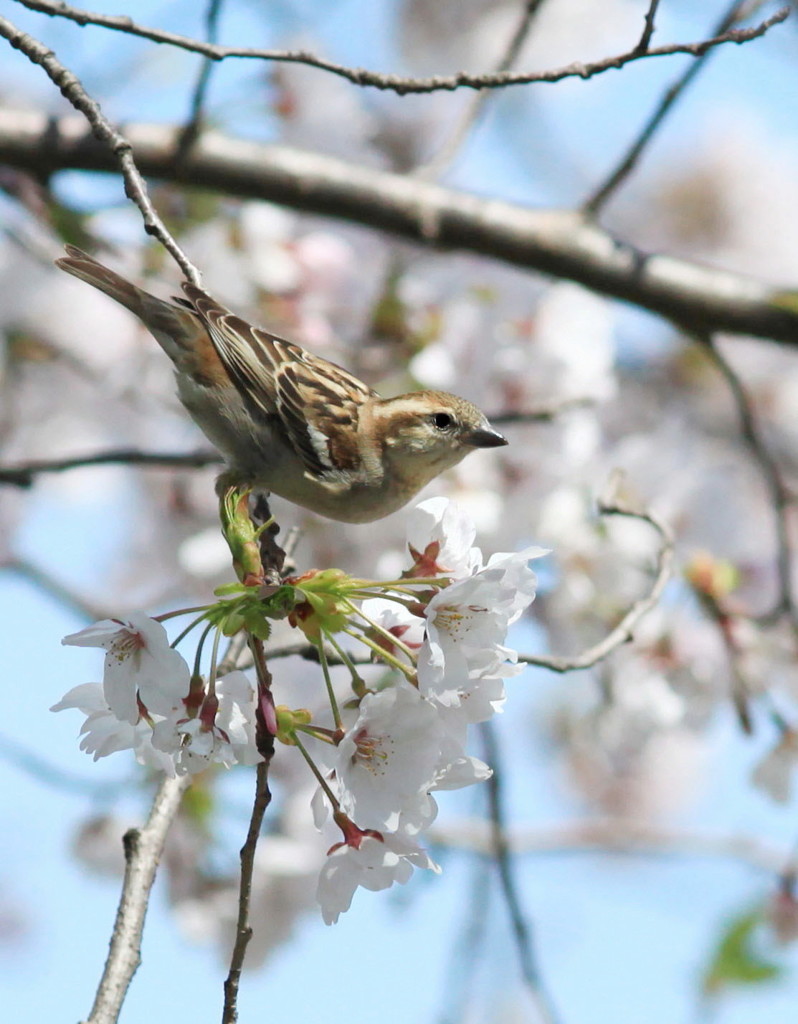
(80, 264)
(171, 325)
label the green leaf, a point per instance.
(736, 960)
(257, 623)
(232, 588)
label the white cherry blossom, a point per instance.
(226, 737)
(467, 624)
(388, 760)
(395, 619)
(369, 861)
(440, 536)
(139, 665)
(103, 733)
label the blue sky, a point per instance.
(621, 939)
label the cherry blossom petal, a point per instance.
(375, 864)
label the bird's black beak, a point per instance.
(485, 438)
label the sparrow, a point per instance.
(290, 422)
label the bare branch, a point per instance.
(780, 497)
(194, 124)
(243, 928)
(561, 243)
(500, 851)
(469, 117)
(24, 473)
(624, 631)
(621, 634)
(648, 28)
(60, 592)
(543, 414)
(398, 83)
(627, 164)
(614, 835)
(143, 849)
(104, 131)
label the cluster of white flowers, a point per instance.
(409, 741)
(143, 703)
(401, 743)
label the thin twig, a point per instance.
(741, 688)
(193, 126)
(467, 945)
(780, 496)
(73, 91)
(143, 848)
(397, 83)
(648, 27)
(24, 473)
(624, 631)
(614, 835)
(41, 579)
(470, 115)
(500, 852)
(262, 800)
(621, 634)
(274, 557)
(50, 773)
(629, 161)
(542, 414)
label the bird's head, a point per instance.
(426, 432)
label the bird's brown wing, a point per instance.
(315, 403)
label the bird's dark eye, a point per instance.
(442, 420)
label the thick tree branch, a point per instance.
(398, 83)
(561, 243)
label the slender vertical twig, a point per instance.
(196, 115)
(243, 927)
(521, 927)
(648, 27)
(467, 945)
(263, 796)
(618, 175)
(476, 103)
(780, 497)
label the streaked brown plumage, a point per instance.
(290, 422)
